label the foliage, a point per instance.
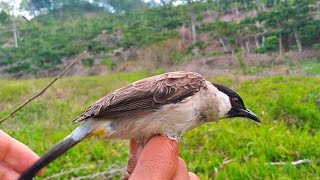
(62, 29)
(126, 5)
(198, 45)
(216, 53)
(87, 62)
(239, 57)
(260, 50)
(311, 67)
(4, 17)
(271, 43)
(294, 47)
(107, 61)
(287, 107)
(316, 46)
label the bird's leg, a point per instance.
(134, 153)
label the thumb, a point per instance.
(158, 160)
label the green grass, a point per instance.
(288, 107)
(311, 67)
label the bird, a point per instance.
(168, 104)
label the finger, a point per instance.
(15, 154)
(193, 176)
(158, 160)
(182, 171)
(8, 173)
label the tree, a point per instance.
(6, 10)
(122, 6)
(299, 17)
(287, 17)
(4, 17)
(274, 21)
(38, 6)
(249, 30)
(225, 33)
(4, 13)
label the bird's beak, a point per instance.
(249, 114)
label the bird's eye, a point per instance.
(235, 101)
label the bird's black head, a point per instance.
(238, 108)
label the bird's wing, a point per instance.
(145, 94)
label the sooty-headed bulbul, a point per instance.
(169, 104)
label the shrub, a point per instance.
(270, 45)
(216, 53)
(200, 45)
(316, 46)
(107, 61)
(88, 62)
(260, 50)
(96, 47)
(294, 47)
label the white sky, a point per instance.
(16, 5)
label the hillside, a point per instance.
(230, 149)
(160, 36)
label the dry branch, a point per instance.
(107, 174)
(302, 161)
(43, 90)
(68, 171)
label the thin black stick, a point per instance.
(43, 90)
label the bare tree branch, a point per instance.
(43, 90)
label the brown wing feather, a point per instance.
(146, 94)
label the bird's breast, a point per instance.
(170, 119)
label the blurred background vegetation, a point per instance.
(267, 50)
(130, 35)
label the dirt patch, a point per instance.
(227, 64)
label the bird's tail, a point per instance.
(75, 137)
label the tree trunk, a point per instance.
(248, 46)
(257, 41)
(237, 11)
(223, 45)
(193, 28)
(263, 40)
(183, 34)
(263, 6)
(242, 47)
(15, 38)
(297, 40)
(280, 44)
(243, 50)
(317, 11)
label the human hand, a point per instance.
(15, 157)
(158, 159)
